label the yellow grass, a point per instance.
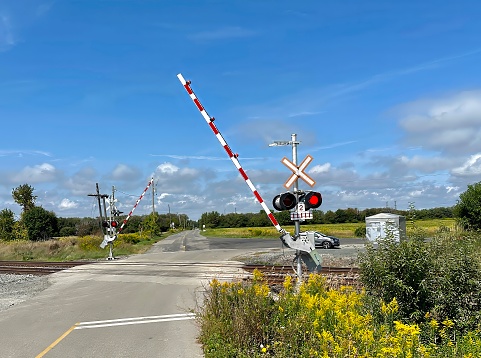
(339, 230)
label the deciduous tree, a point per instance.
(468, 209)
(40, 223)
(23, 196)
(7, 223)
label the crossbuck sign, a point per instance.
(298, 171)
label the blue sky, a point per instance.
(385, 96)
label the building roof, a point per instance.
(384, 216)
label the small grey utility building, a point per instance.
(379, 226)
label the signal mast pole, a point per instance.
(297, 225)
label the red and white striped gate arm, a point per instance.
(232, 156)
(135, 206)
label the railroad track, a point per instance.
(273, 274)
(336, 276)
(36, 267)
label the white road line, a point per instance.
(135, 320)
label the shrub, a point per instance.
(40, 223)
(360, 231)
(468, 209)
(133, 238)
(89, 243)
(67, 231)
(440, 279)
(244, 319)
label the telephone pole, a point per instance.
(100, 196)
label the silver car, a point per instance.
(323, 241)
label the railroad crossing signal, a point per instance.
(298, 171)
(305, 201)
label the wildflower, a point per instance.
(448, 323)
(214, 283)
(264, 349)
(258, 276)
(391, 308)
(407, 329)
(261, 290)
(288, 283)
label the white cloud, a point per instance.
(318, 169)
(470, 168)
(82, 182)
(449, 125)
(124, 173)
(67, 204)
(21, 153)
(39, 173)
(167, 168)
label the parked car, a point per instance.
(323, 241)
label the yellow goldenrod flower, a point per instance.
(258, 276)
(448, 323)
(288, 283)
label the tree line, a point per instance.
(214, 219)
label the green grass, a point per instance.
(75, 248)
(430, 227)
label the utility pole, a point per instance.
(99, 196)
(104, 229)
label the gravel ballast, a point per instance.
(18, 288)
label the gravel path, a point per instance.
(18, 288)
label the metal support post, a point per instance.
(297, 225)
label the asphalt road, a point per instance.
(138, 306)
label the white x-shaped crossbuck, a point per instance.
(298, 171)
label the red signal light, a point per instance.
(114, 223)
(312, 200)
